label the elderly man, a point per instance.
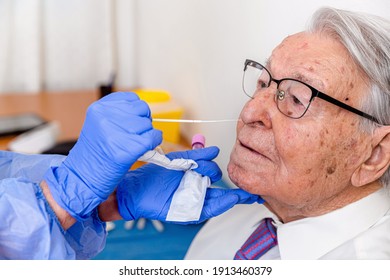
(314, 142)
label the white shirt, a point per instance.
(360, 230)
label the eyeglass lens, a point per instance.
(292, 97)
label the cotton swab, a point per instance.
(193, 121)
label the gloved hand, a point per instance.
(116, 132)
(147, 191)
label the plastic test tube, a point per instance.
(198, 141)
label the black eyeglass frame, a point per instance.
(314, 93)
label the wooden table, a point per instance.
(68, 108)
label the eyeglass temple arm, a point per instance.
(346, 107)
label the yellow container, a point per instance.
(153, 95)
(162, 106)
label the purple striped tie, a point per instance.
(260, 241)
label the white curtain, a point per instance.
(65, 44)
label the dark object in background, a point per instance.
(106, 89)
(19, 123)
(61, 148)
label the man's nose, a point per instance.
(261, 108)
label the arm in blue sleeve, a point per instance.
(87, 238)
(29, 228)
(32, 167)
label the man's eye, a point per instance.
(296, 100)
(261, 84)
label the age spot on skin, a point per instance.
(331, 169)
(326, 131)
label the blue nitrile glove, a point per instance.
(147, 191)
(116, 132)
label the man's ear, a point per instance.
(378, 161)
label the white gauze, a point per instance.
(187, 201)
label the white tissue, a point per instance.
(187, 202)
(161, 160)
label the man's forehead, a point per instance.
(297, 73)
(319, 60)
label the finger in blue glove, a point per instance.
(203, 158)
(218, 201)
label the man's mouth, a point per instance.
(256, 152)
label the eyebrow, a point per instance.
(298, 76)
(310, 81)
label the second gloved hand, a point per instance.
(147, 191)
(116, 132)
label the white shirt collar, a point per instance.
(326, 232)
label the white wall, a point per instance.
(66, 44)
(20, 57)
(196, 49)
(86, 41)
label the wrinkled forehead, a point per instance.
(317, 59)
(311, 51)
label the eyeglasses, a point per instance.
(292, 97)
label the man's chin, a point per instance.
(240, 177)
(240, 183)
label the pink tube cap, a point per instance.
(198, 139)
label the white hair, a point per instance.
(367, 39)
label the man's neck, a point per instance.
(288, 213)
